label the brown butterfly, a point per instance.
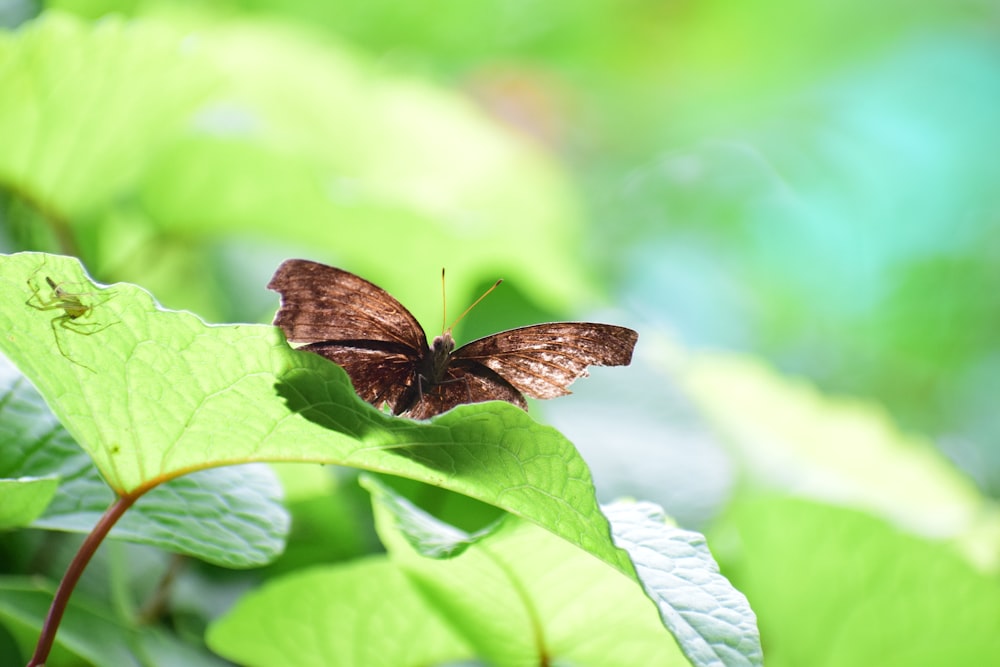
(384, 350)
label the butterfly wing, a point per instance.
(464, 382)
(353, 323)
(542, 360)
(379, 376)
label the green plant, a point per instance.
(172, 396)
(823, 210)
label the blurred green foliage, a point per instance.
(809, 184)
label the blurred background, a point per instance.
(796, 205)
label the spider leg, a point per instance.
(79, 327)
(37, 302)
(64, 321)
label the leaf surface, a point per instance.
(228, 516)
(895, 599)
(90, 632)
(712, 621)
(361, 614)
(204, 114)
(838, 449)
(520, 596)
(173, 395)
(22, 500)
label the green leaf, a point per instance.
(520, 596)
(712, 621)
(833, 586)
(792, 437)
(26, 426)
(60, 76)
(90, 631)
(361, 614)
(330, 517)
(428, 535)
(231, 517)
(87, 630)
(22, 500)
(26, 492)
(228, 516)
(172, 395)
(204, 114)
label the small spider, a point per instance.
(73, 307)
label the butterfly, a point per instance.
(384, 350)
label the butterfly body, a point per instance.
(437, 360)
(385, 352)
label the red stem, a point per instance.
(72, 576)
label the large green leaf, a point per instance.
(158, 394)
(346, 149)
(835, 587)
(360, 614)
(84, 108)
(130, 136)
(792, 437)
(518, 596)
(711, 620)
(522, 597)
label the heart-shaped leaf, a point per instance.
(154, 394)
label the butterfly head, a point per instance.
(442, 345)
(441, 348)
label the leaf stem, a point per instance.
(157, 603)
(56, 221)
(72, 576)
(529, 605)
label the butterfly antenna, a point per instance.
(474, 303)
